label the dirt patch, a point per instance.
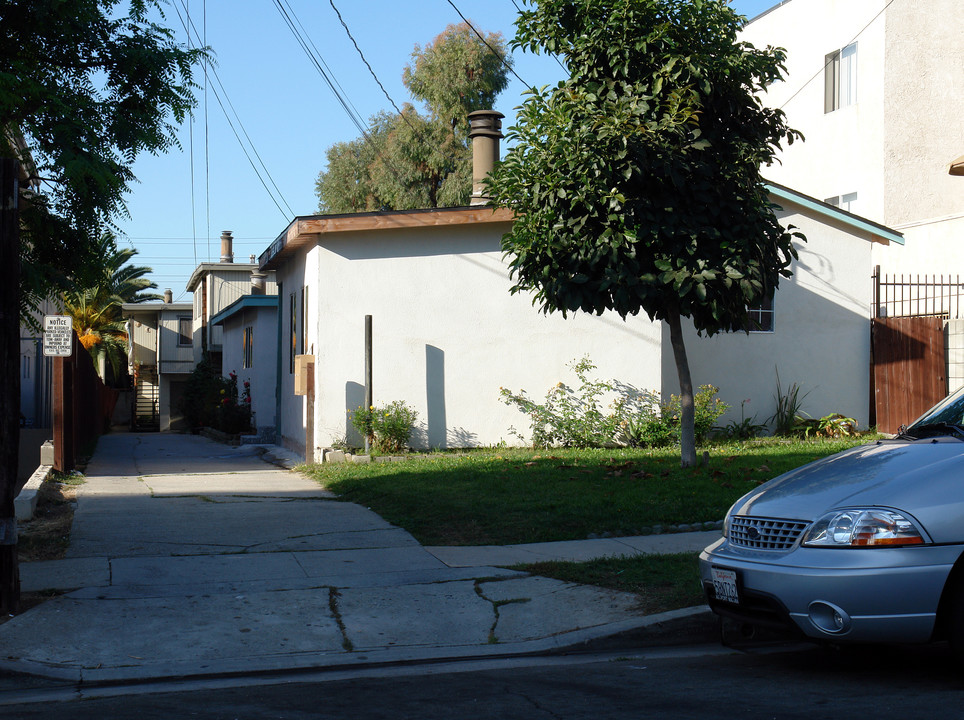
(46, 536)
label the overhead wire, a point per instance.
(823, 69)
(321, 66)
(418, 132)
(501, 58)
(261, 173)
(190, 46)
(553, 55)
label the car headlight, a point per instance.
(727, 520)
(859, 527)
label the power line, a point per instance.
(554, 56)
(823, 69)
(418, 133)
(364, 59)
(501, 58)
(188, 26)
(317, 60)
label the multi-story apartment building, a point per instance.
(877, 89)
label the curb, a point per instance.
(689, 626)
(25, 503)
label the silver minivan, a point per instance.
(863, 546)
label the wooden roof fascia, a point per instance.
(305, 231)
(879, 233)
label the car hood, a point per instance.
(924, 478)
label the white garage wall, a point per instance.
(821, 338)
(448, 334)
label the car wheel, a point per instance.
(953, 612)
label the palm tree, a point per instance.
(96, 307)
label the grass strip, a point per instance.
(510, 495)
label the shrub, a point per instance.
(234, 412)
(745, 428)
(707, 410)
(212, 401)
(571, 417)
(387, 428)
(578, 418)
(784, 420)
(651, 429)
(834, 425)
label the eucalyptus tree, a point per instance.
(408, 159)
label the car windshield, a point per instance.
(945, 418)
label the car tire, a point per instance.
(953, 619)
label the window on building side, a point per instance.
(293, 319)
(761, 316)
(26, 367)
(185, 331)
(846, 202)
(247, 348)
(304, 320)
(840, 79)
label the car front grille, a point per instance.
(765, 533)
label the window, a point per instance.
(247, 348)
(840, 79)
(26, 367)
(293, 319)
(185, 331)
(844, 202)
(304, 320)
(761, 316)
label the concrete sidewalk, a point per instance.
(189, 558)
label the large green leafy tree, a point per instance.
(412, 160)
(85, 86)
(636, 183)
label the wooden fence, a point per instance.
(83, 406)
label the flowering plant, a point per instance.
(233, 414)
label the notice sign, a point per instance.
(58, 336)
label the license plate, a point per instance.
(724, 584)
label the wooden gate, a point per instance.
(908, 368)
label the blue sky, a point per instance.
(286, 116)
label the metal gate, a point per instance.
(908, 368)
(146, 415)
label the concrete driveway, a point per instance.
(188, 557)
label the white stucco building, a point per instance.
(250, 351)
(875, 87)
(820, 334)
(447, 332)
(161, 358)
(215, 286)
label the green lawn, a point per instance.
(508, 496)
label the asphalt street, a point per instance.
(704, 682)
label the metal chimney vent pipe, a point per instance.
(485, 130)
(227, 251)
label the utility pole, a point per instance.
(9, 384)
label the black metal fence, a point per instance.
(917, 295)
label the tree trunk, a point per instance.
(9, 384)
(688, 418)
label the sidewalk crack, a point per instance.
(496, 609)
(333, 596)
